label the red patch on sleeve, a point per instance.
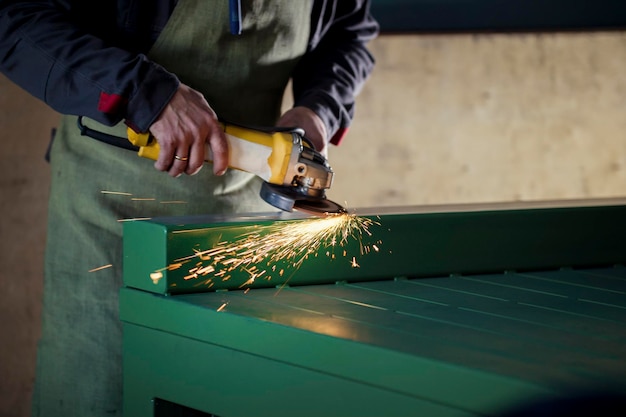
(111, 103)
(338, 137)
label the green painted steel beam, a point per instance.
(411, 242)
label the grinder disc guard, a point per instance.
(288, 199)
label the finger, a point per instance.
(179, 163)
(166, 155)
(219, 150)
(196, 158)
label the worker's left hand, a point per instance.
(310, 122)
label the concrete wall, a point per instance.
(445, 119)
(463, 118)
(25, 126)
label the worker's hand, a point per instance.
(307, 119)
(183, 128)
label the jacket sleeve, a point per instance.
(337, 64)
(51, 50)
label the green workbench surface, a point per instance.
(475, 344)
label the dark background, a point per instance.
(498, 15)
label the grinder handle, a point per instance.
(263, 153)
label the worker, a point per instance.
(171, 68)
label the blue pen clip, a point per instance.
(235, 16)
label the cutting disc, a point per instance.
(319, 208)
(288, 199)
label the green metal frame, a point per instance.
(410, 245)
(472, 312)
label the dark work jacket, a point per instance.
(87, 58)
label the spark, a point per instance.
(156, 276)
(133, 199)
(222, 307)
(115, 192)
(101, 268)
(134, 219)
(248, 282)
(291, 243)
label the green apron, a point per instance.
(95, 185)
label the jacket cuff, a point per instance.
(330, 113)
(154, 93)
(338, 136)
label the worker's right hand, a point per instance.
(182, 129)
